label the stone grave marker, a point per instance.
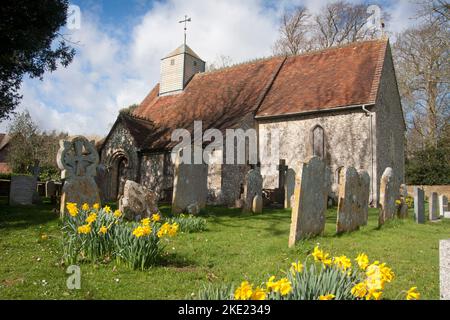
(257, 206)
(78, 159)
(419, 205)
(388, 195)
(190, 185)
(310, 204)
(289, 187)
(444, 269)
(403, 209)
(433, 206)
(252, 188)
(353, 200)
(137, 201)
(22, 190)
(443, 205)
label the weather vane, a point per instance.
(185, 21)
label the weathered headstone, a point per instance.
(257, 205)
(388, 195)
(403, 208)
(289, 187)
(447, 215)
(419, 205)
(252, 187)
(137, 201)
(193, 209)
(310, 204)
(433, 206)
(78, 159)
(50, 189)
(190, 185)
(22, 189)
(444, 269)
(353, 200)
(443, 205)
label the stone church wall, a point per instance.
(157, 173)
(390, 125)
(346, 142)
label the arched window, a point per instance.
(318, 141)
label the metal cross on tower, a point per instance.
(185, 21)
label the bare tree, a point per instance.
(293, 33)
(421, 55)
(438, 10)
(221, 61)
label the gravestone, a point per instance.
(388, 195)
(310, 204)
(190, 185)
(252, 188)
(444, 269)
(137, 201)
(280, 195)
(257, 204)
(50, 189)
(403, 208)
(289, 187)
(419, 205)
(443, 205)
(433, 206)
(22, 190)
(353, 200)
(78, 159)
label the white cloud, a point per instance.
(108, 73)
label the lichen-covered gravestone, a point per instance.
(190, 185)
(433, 212)
(78, 159)
(22, 189)
(310, 204)
(137, 201)
(353, 200)
(252, 188)
(444, 269)
(419, 205)
(289, 187)
(388, 195)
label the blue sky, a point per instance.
(120, 43)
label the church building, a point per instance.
(340, 103)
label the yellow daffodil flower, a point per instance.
(96, 206)
(258, 294)
(156, 217)
(363, 261)
(84, 229)
(85, 207)
(342, 262)
(117, 213)
(413, 294)
(296, 267)
(359, 290)
(327, 297)
(91, 218)
(103, 230)
(72, 209)
(107, 209)
(244, 291)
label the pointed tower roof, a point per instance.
(181, 50)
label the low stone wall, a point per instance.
(441, 189)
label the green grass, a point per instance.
(235, 247)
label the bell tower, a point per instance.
(178, 68)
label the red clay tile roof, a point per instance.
(316, 81)
(4, 168)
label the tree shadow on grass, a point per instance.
(21, 217)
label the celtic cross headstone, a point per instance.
(78, 160)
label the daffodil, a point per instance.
(285, 286)
(72, 209)
(363, 261)
(258, 294)
(85, 207)
(412, 294)
(374, 294)
(244, 291)
(117, 213)
(107, 209)
(96, 206)
(359, 290)
(103, 230)
(296, 267)
(145, 222)
(91, 218)
(342, 262)
(327, 297)
(156, 217)
(84, 229)
(321, 256)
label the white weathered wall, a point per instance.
(171, 75)
(347, 142)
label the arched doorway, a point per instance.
(119, 172)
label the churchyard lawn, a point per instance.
(235, 247)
